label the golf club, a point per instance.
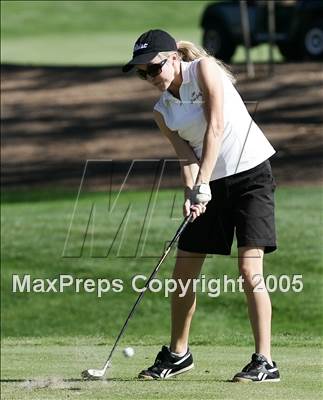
(93, 374)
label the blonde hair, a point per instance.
(188, 51)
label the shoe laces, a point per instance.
(161, 358)
(256, 361)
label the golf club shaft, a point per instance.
(178, 233)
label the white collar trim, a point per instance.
(186, 79)
(185, 71)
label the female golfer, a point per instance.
(228, 187)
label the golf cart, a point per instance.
(298, 32)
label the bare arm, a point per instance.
(189, 162)
(189, 165)
(211, 85)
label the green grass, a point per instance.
(96, 32)
(35, 226)
(40, 369)
(49, 338)
(33, 18)
(89, 33)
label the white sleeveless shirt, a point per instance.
(243, 145)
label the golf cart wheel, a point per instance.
(218, 43)
(313, 41)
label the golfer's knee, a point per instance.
(251, 265)
(251, 276)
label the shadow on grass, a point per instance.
(122, 111)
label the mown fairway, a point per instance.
(49, 370)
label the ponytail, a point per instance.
(188, 51)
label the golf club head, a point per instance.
(94, 374)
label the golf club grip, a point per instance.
(186, 221)
(178, 233)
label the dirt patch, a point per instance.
(54, 119)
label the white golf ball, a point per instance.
(128, 352)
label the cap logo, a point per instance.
(140, 46)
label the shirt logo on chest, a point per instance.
(196, 97)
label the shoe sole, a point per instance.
(148, 377)
(244, 380)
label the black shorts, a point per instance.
(243, 203)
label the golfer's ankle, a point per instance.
(178, 349)
(268, 357)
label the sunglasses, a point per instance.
(152, 70)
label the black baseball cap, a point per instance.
(148, 45)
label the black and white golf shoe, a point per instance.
(258, 370)
(167, 365)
